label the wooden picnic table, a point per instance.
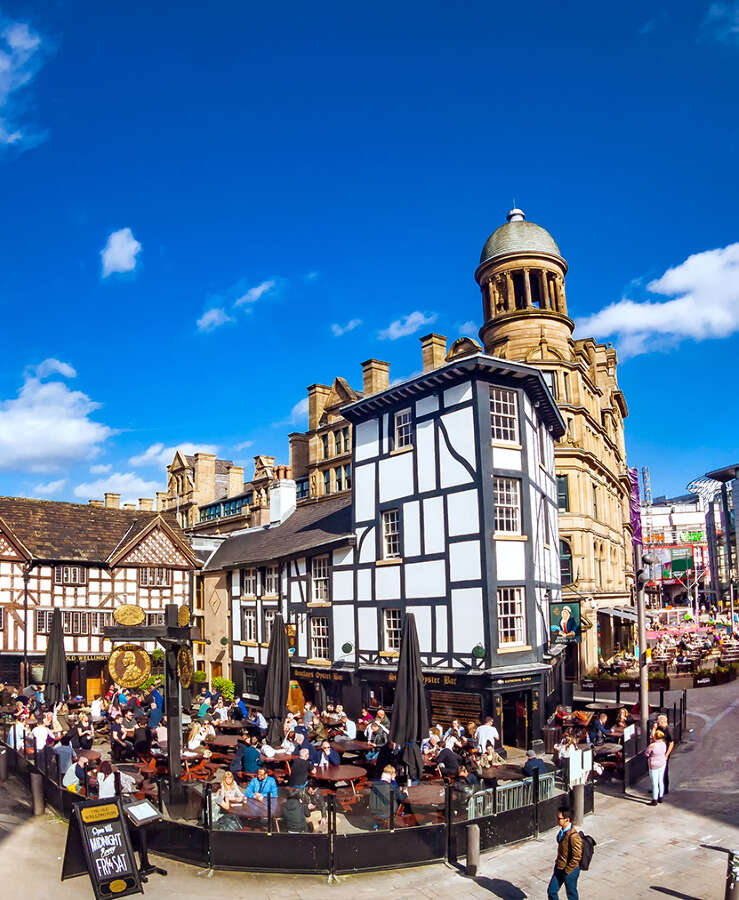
(249, 808)
(223, 742)
(351, 746)
(93, 756)
(427, 793)
(230, 726)
(334, 774)
(507, 772)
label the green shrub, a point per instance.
(157, 656)
(225, 686)
(198, 676)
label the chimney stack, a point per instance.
(112, 501)
(235, 476)
(317, 397)
(433, 350)
(283, 496)
(129, 506)
(205, 477)
(161, 500)
(97, 503)
(376, 376)
(146, 504)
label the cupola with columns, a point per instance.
(522, 279)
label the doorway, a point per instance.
(516, 717)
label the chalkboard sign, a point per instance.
(98, 844)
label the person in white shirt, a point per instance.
(348, 728)
(96, 709)
(487, 734)
(41, 733)
(220, 711)
(17, 736)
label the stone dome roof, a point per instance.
(518, 235)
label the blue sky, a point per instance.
(196, 204)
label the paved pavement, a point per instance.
(672, 850)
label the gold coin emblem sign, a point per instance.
(183, 616)
(129, 665)
(128, 614)
(184, 667)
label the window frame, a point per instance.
(339, 478)
(270, 573)
(70, 575)
(565, 542)
(500, 414)
(511, 514)
(511, 621)
(313, 637)
(550, 379)
(268, 621)
(249, 612)
(392, 632)
(395, 536)
(326, 482)
(323, 578)
(403, 429)
(246, 580)
(144, 579)
(563, 479)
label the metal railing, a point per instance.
(506, 797)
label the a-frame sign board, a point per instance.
(98, 844)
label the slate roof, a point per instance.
(514, 237)
(74, 532)
(309, 527)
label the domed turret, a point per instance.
(521, 276)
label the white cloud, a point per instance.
(338, 330)
(468, 329)
(244, 445)
(407, 325)
(254, 293)
(119, 252)
(128, 484)
(722, 21)
(50, 489)
(403, 378)
(705, 288)
(100, 469)
(161, 456)
(311, 276)
(298, 414)
(52, 366)
(20, 60)
(48, 427)
(213, 319)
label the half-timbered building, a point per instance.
(453, 516)
(85, 560)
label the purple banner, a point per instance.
(635, 507)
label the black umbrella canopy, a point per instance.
(410, 722)
(278, 681)
(55, 662)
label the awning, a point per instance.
(619, 613)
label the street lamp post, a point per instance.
(642, 577)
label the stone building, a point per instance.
(522, 279)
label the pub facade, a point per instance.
(452, 516)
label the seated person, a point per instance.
(466, 777)
(534, 763)
(385, 796)
(295, 813)
(260, 722)
(455, 728)
(82, 733)
(247, 757)
(142, 736)
(160, 733)
(65, 754)
(301, 742)
(74, 777)
(560, 715)
(300, 769)
(599, 731)
(106, 780)
(346, 729)
(315, 804)
(430, 744)
(328, 756)
(447, 761)
(220, 711)
(228, 792)
(262, 786)
(121, 747)
(376, 735)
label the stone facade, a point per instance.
(522, 280)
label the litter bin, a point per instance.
(551, 735)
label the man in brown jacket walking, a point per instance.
(569, 854)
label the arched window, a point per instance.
(565, 562)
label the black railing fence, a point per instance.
(349, 836)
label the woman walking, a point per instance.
(656, 753)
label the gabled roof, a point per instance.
(52, 531)
(221, 464)
(310, 527)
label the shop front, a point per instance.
(87, 675)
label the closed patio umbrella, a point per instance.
(55, 662)
(277, 682)
(410, 722)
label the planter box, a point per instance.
(681, 682)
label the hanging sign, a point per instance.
(129, 665)
(184, 667)
(98, 844)
(564, 622)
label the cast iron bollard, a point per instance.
(732, 876)
(473, 850)
(37, 793)
(578, 794)
(3, 765)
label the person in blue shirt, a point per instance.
(241, 706)
(302, 742)
(260, 722)
(262, 786)
(599, 730)
(328, 756)
(155, 714)
(247, 758)
(534, 762)
(155, 695)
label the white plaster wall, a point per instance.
(433, 524)
(510, 560)
(464, 561)
(386, 424)
(505, 458)
(364, 585)
(460, 393)
(396, 477)
(427, 405)
(441, 629)
(423, 626)
(343, 585)
(463, 513)
(343, 626)
(387, 582)
(239, 653)
(344, 556)
(364, 492)
(467, 619)
(425, 579)
(368, 628)
(366, 445)
(426, 456)
(367, 552)
(411, 529)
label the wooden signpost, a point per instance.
(98, 844)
